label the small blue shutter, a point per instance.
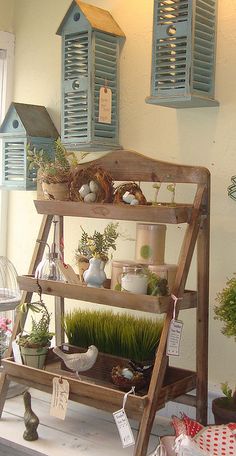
(106, 55)
(14, 162)
(204, 46)
(75, 87)
(172, 32)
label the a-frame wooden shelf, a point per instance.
(167, 383)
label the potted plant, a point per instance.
(35, 344)
(94, 250)
(53, 174)
(224, 408)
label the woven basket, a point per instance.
(130, 187)
(93, 173)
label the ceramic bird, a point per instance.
(78, 362)
(31, 420)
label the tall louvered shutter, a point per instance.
(204, 46)
(172, 47)
(106, 64)
(75, 97)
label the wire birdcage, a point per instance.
(10, 294)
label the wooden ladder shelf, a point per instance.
(166, 383)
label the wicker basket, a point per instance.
(130, 187)
(93, 173)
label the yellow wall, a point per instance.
(6, 15)
(204, 136)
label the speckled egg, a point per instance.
(90, 198)
(84, 190)
(127, 373)
(93, 186)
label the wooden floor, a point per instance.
(85, 430)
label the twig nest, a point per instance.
(91, 184)
(129, 193)
(125, 378)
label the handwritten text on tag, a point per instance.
(125, 431)
(174, 337)
(60, 396)
(105, 103)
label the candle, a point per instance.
(134, 283)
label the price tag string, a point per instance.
(132, 391)
(175, 299)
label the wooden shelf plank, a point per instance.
(105, 296)
(180, 213)
(104, 397)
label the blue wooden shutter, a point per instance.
(171, 48)
(75, 88)
(204, 46)
(14, 162)
(106, 71)
(183, 59)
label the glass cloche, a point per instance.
(10, 294)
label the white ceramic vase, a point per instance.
(94, 276)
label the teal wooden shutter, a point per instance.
(75, 88)
(14, 162)
(183, 59)
(106, 54)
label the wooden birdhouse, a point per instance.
(91, 41)
(24, 124)
(183, 59)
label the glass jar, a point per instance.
(48, 269)
(134, 280)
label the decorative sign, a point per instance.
(105, 105)
(60, 395)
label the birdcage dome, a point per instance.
(9, 290)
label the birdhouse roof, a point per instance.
(34, 118)
(98, 18)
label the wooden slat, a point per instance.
(120, 299)
(157, 214)
(129, 165)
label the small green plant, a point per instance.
(229, 393)
(52, 170)
(98, 244)
(226, 309)
(117, 334)
(157, 286)
(40, 335)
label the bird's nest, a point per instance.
(101, 177)
(125, 384)
(130, 187)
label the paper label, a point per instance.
(174, 337)
(16, 352)
(125, 431)
(105, 104)
(60, 395)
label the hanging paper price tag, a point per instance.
(16, 352)
(105, 105)
(60, 395)
(175, 332)
(122, 423)
(174, 337)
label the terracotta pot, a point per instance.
(223, 411)
(59, 191)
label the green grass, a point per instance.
(117, 334)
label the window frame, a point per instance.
(7, 44)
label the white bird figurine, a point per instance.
(78, 362)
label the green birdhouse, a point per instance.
(91, 41)
(24, 124)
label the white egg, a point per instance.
(127, 373)
(93, 186)
(84, 190)
(127, 198)
(134, 202)
(90, 198)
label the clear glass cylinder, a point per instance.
(49, 269)
(134, 280)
